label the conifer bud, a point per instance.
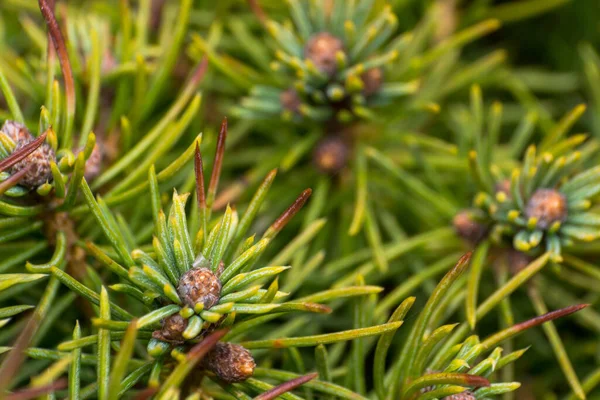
(321, 49)
(548, 206)
(331, 154)
(199, 285)
(38, 161)
(172, 329)
(372, 81)
(230, 362)
(467, 228)
(16, 131)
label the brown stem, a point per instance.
(198, 352)
(15, 357)
(47, 9)
(552, 315)
(32, 393)
(516, 329)
(286, 387)
(288, 214)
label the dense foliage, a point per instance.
(300, 199)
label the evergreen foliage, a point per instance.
(372, 226)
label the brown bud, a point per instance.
(372, 81)
(321, 49)
(290, 100)
(199, 285)
(331, 154)
(172, 329)
(17, 132)
(467, 228)
(230, 362)
(548, 206)
(38, 163)
(461, 396)
(220, 269)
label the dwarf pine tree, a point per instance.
(300, 199)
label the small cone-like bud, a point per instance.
(331, 154)
(17, 132)
(199, 285)
(290, 100)
(548, 206)
(467, 228)
(372, 81)
(172, 329)
(321, 50)
(38, 161)
(230, 362)
(461, 396)
(40, 171)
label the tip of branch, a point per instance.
(292, 210)
(218, 164)
(462, 263)
(47, 10)
(286, 387)
(550, 316)
(223, 131)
